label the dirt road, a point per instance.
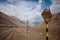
(21, 34)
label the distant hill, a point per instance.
(6, 20)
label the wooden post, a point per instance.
(27, 26)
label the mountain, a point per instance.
(6, 20)
(54, 26)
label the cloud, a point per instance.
(7, 10)
(40, 1)
(23, 10)
(55, 7)
(55, 1)
(11, 0)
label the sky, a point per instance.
(55, 6)
(27, 9)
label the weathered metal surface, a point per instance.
(46, 14)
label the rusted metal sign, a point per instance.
(46, 14)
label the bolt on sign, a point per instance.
(46, 14)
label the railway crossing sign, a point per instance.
(46, 15)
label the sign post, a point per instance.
(47, 17)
